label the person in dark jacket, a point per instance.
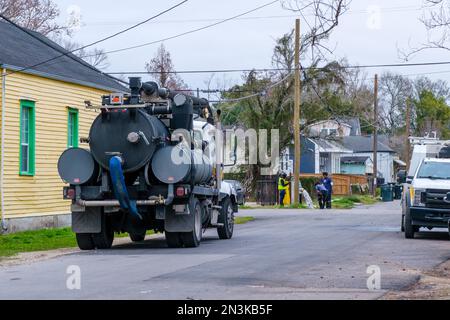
(328, 183)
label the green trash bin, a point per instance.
(387, 193)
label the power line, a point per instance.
(262, 92)
(67, 53)
(283, 69)
(190, 31)
(385, 10)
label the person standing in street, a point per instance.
(328, 183)
(322, 194)
(283, 186)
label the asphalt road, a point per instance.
(283, 254)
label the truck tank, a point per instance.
(133, 135)
(178, 164)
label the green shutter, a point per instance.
(72, 128)
(27, 138)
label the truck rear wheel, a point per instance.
(192, 239)
(85, 241)
(226, 218)
(173, 239)
(105, 238)
(410, 230)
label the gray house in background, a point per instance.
(362, 147)
(337, 146)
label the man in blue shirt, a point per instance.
(328, 183)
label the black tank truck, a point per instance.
(132, 179)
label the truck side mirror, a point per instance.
(409, 179)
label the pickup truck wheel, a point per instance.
(192, 239)
(173, 239)
(105, 238)
(85, 241)
(226, 218)
(410, 230)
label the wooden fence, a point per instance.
(341, 182)
(267, 189)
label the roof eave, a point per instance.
(62, 78)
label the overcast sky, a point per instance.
(361, 37)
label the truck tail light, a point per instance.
(180, 192)
(69, 193)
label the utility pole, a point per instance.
(408, 132)
(297, 140)
(375, 137)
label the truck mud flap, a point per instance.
(87, 222)
(179, 222)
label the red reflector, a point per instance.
(180, 192)
(71, 194)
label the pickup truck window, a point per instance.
(434, 170)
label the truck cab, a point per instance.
(426, 201)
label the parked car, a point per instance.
(240, 190)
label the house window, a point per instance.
(72, 128)
(328, 132)
(27, 138)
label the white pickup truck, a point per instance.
(426, 200)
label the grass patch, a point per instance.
(350, 201)
(243, 220)
(292, 206)
(245, 207)
(41, 240)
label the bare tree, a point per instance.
(36, 15)
(41, 16)
(162, 70)
(436, 19)
(395, 90)
(326, 16)
(439, 88)
(95, 57)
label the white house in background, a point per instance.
(335, 128)
(347, 155)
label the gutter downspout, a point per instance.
(2, 164)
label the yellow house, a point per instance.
(42, 114)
